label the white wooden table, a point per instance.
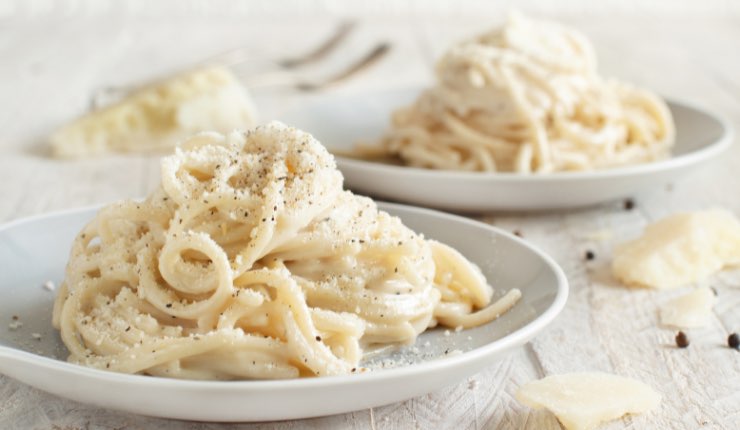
(53, 56)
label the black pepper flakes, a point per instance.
(318, 338)
(15, 317)
(518, 233)
(733, 341)
(629, 204)
(589, 255)
(682, 341)
(169, 305)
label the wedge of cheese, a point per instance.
(583, 400)
(690, 310)
(679, 250)
(156, 117)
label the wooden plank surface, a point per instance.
(685, 52)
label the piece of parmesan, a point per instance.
(690, 310)
(583, 400)
(679, 249)
(158, 116)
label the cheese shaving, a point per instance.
(584, 400)
(679, 249)
(690, 310)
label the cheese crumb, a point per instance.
(679, 250)
(49, 286)
(690, 310)
(15, 325)
(602, 235)
(36, 336)
(583, 400)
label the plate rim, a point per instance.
(518, 337)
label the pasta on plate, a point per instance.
(526, 98)
(250, 261)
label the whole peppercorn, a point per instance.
(682, 341)
(733, 341)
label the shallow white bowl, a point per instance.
(339, 122)
(35, 250)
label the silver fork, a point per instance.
(243, 54)
(283, 76)
(290, 79)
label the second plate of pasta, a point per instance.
(343, 121)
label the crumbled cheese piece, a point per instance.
(156, 117)
(15, 325)
(583, 400)
(447, 333)
(602, 235)
(36, 336)
(679, 249)
(690, 310)
(49, 286)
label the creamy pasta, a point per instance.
(527, 98)
(250, 261)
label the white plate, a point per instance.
(340, 121)
(35, 250)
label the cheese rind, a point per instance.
(158, 116)
(583, 400)
(679, 249)
(689, 310)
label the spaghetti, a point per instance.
(526, 98)
(250, 261)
